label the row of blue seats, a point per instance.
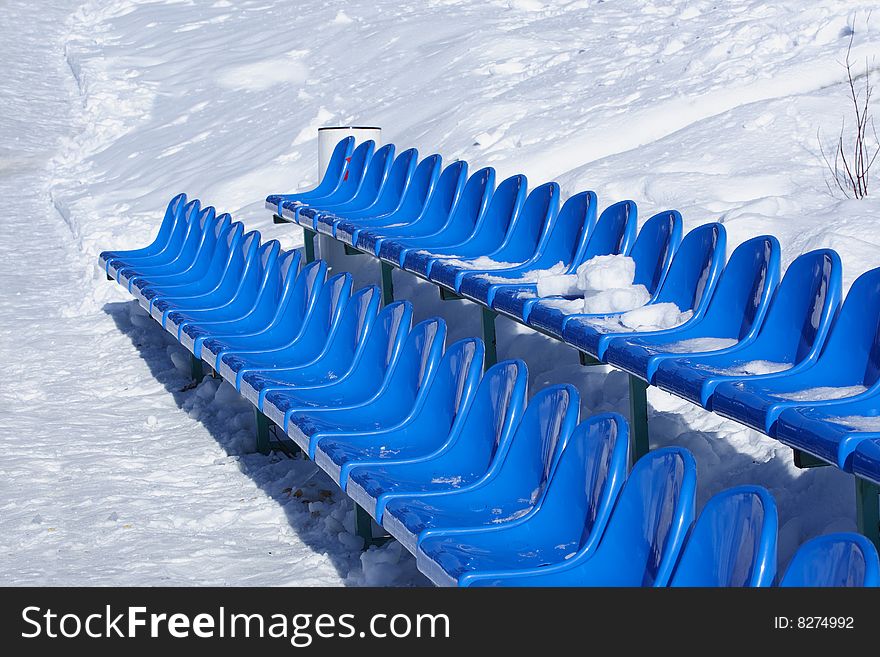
(484, 485)
(450, 227)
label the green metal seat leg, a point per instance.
(364, 528)
(309, 244)
(488, 321)
(868, 510)
(387, 283)
(196, 368)
(638, 410)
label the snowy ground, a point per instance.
(112, 471)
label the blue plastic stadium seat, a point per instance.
(408, 427)
(321, 322)
(644, 536)
(735, 312)
(245, 260)
(333, 336)
(490, 229)
(258, 276)
(688, 284)
(522, 245)
(352, 181)
(403, 196)
(189, 271)
(733, 542)
(830, 431)
(564, 246)
(368, 193)
(570, 520)
(429, 198)
(360, 378)
(463, 225)
(466, 448)
(436, 213)
(297, 301)
(261, 314)
(173, 215)
(613, 232)
(335, 173)
(791, 336)
(182, 249)
(392, 391)
(842, 559)
(531, 225)
(518, 479)
(866, 459)
(849, 362)
(235, 249)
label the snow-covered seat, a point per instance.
(734, 314)
(847, 367)
(685, 290)
(527, 231)
(790, 337)
(557, 249)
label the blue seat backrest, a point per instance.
(400, 175)
(804, 303)
(854, 339)
(495, 413)
(654, 248)
(695, 267)
(733, 542)
(457, 377)
(549, 419)
(744, 287)
(591, 472)
(335, 167)
(304, 294)
(385, 341)
(571, 230)
(378, 171)
(286, 274)
(354, 174)
(422, 185)
(329, 306)
(420, 354)
(173, 214)
(534, 221)
(842, 559)
(473, 202)
(614, 231)
(357, 320)
(448, 189)
(651, 517)
(503, 207)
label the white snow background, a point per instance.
(113, 473)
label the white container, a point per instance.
(330, 136)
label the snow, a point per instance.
(116, 471)
(695, 345)
(756, 367)
(823, 393)
(605, 272)
(859, 422)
